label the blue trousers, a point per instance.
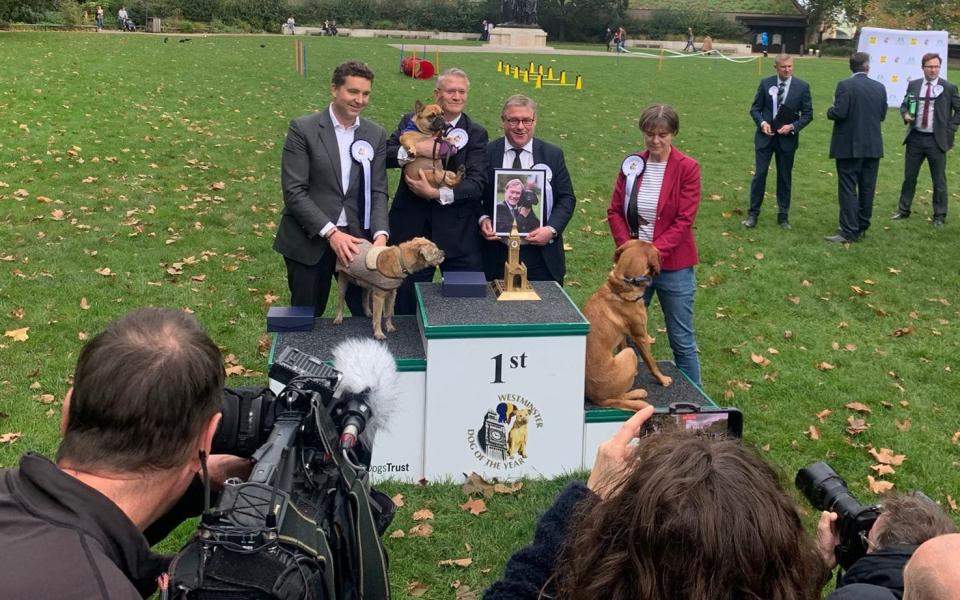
(675, 291)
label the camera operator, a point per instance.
(676, 516)
(145, 404)
(905, 522)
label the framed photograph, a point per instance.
(518, 196)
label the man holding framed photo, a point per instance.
(519, 150)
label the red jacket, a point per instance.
(676, 211)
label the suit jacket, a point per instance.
(564, 198)
(505, 220)
(676, 211)
(453, 227)
(946, 112)
(859, 105)
(798, 100)
(312, 188)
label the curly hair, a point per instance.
(696, 519)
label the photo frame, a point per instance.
(518, 194)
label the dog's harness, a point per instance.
(363, 268)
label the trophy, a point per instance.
(514, 285)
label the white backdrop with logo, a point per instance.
(895, 56)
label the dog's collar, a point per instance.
(640, 280)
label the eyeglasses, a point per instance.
(515, 122)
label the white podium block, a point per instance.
(504, 385)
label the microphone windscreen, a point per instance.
(364, 364)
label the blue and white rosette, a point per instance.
(632, 168)
(774, 91)
(547, 190)
(458, 137)
(936, 90)
(362, 152)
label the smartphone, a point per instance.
(709, 421)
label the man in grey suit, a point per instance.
(859, 105)
(334, 178)
(931, 111)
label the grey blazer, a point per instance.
(312, 188)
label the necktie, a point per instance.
(926, 108)
(516, 158)
(780, 94)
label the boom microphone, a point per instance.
(369, 374)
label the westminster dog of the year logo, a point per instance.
(503, 439)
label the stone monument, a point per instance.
(518, 26)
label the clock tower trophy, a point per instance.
(514, 285)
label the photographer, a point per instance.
(905, 522)
(675, 516)
(144, 407)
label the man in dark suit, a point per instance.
(781, 108)
(931, 111)
(447, 216)
(518, 149)
(513, 209)
(326, 212)
(859, 105)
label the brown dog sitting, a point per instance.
(427, 123)
(380, 271)
(616, 312)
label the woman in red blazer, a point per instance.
(655, 199)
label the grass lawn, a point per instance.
(139, 170)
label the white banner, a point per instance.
(895, 56)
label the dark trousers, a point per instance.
(310, 284)
(784, 161)
(856, 184)
(922, 146)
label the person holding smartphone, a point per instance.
(672, 515)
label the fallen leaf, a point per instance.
(813, 432)
(421, 530)
(886, 456)
(858, 406)
(825, 366)
(956, 437)
(398, 533)
(823, 414)
(422, 515)
(903, 425)
(218, 185)
(476, 506)
(787, 334)
(794, 299)
(951, 503)
(398, 500)
(882, 469)
(456, 562)
(758, 256)
(18, 335)
(105, 271)
(9, 438)
(508, 488)
(46, 399)
(417, 589)
(877, 486)
(84, 305)
(477, 484)
(902, 331)
(759, 359)
(856, 426)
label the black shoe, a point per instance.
(837, 239)
(939, 222)
(898, 216)
(785, 225)
(860, 236)
(750, 222)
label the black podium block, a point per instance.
(681, 390)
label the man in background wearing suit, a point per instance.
(781, 108)
(326, 157)
(518, 149)
(447, 216)
(859, 105)
(930, 134)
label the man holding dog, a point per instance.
(334, 179)
(931, 111)
(512, 209)
(781, 108)
(143, 410)
(519, 149)
(445, 215)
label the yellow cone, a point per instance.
(579, 84)
(539, 84)
(563, 78)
